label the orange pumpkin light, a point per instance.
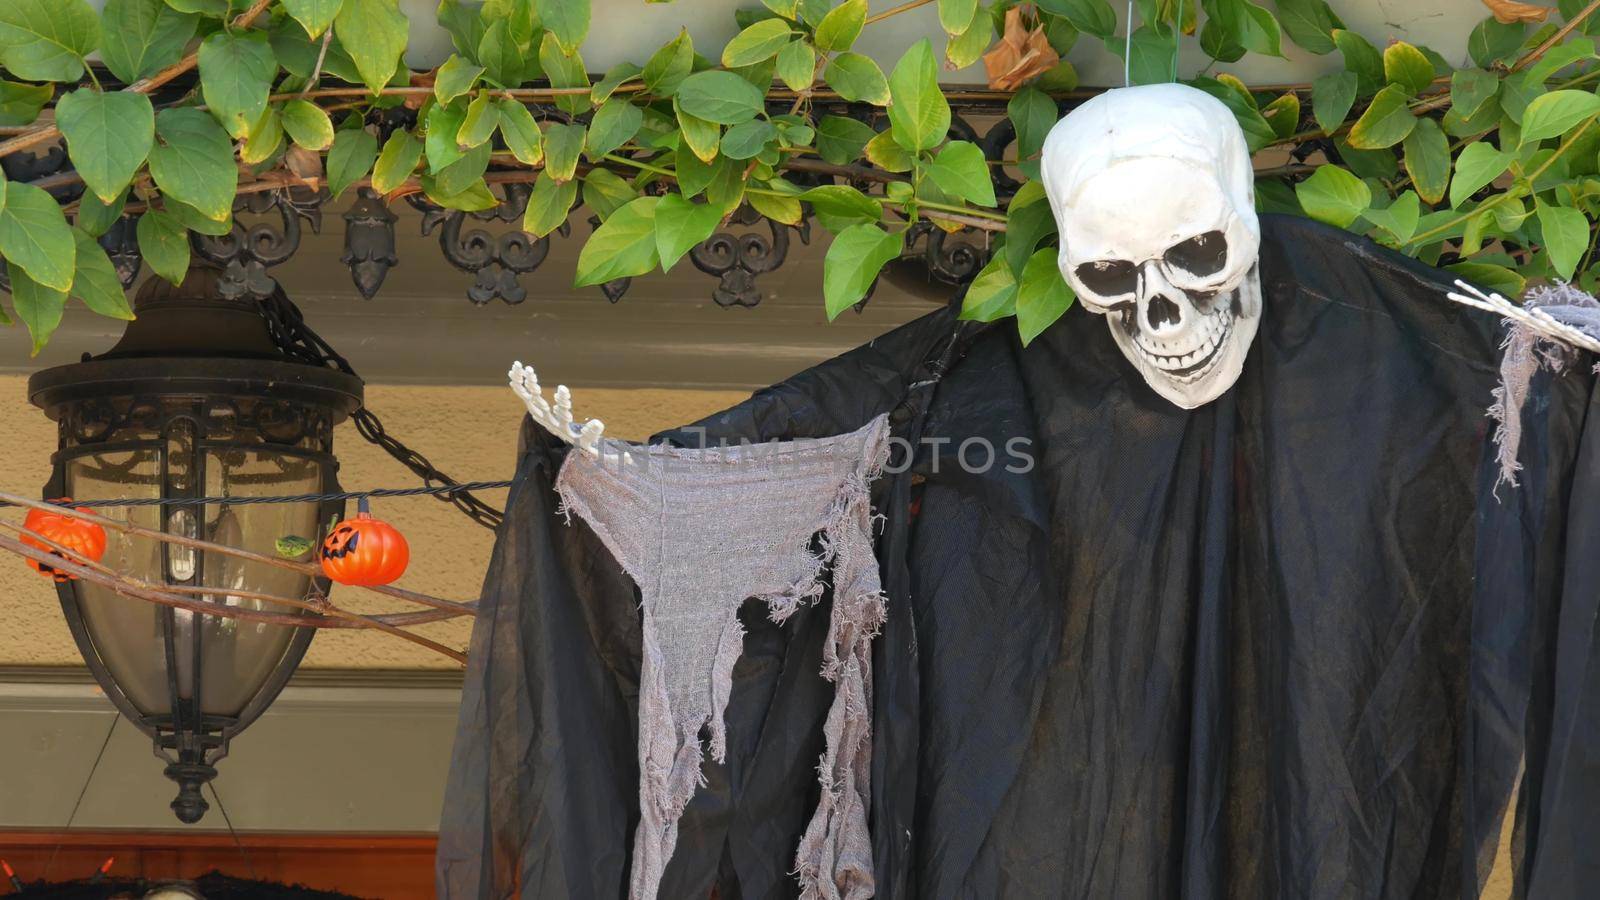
(85, 539)
(364, 552)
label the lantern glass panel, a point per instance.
(189, 447)
(126, 632)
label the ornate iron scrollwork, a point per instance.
(246, 252)
(497, 261)
(738, 258)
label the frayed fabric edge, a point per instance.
(1524, 351)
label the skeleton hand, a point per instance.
(556, 417)
(1535, 318)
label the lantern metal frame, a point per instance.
(190, 350)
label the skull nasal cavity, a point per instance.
(1162, 311)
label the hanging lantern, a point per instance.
(200, 399)
(364, 552)
(85, 539)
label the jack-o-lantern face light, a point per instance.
(364, 552)
(84, 539)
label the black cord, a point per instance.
(296, 339)
(72, 816)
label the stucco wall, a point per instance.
(469, 432)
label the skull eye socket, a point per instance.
(1109, 277)
(1201, 256)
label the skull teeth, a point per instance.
(1190, 358)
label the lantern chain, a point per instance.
(297, 339)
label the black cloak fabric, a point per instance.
(1289, 644)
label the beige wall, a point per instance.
(468, 432)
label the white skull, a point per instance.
(1154, 199)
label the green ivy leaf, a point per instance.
(141, 37)
(668, 67)
(968, 47)
(1405, 66)
(521, 132)
(1470, 88)
(108, 134)
(190, 218)
(857, 78)
(605, 192)
(1361, 58)
(454, 78)
(1042, 295)
(95, 217)
(567, 20)
(236, 72)
(461, 175)
(992, 294)
(681, 224)
(797, 65)
(474, 197)
(1032, 114)
(853, 261)
(840, 206)
(919, 115)
(746, 140)
(562, 145)
(613, 79)
(353, 152)
(503, 58)
(548, 204)
(164, 245)
(39, 307)
(759, 42)
(885, 153)
(1283, 114)
(786, 210)
(1491, 41)
(1399, 218)
(1428, 160)
(720, 97)
(1309, 23)
(1490, 276)
(1248, 25)
(401, 153)
(564, 71)
(1477, 165)
(480, 122)
(1028, 221)
(1566, 236)
(374, 33)
(442, 126)
(1555, 113)
(266, 136)
(307, 124)
(614, 124)
(46, 40)
(841, 26)
(313, 15)
(95, 281)
(959, 169)
(20, 103)
(1093, 17)
(35, 236)
(955, 16)
(622, 247)
(1334, 196)
(1386, 122)
(840, 140)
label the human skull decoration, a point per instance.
(1154, 201)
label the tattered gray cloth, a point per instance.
(700, 531)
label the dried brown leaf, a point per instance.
(1020, 55)
(1509, 12)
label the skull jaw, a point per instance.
(1201, 381)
